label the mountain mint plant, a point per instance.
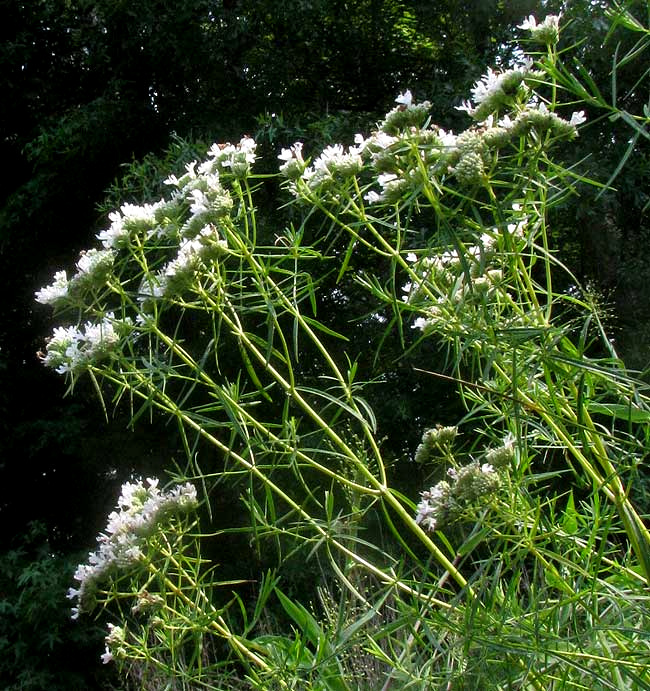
(518, 560)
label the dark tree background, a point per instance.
(89, 86)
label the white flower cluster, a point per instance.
(56, 291)
(209, 203)
(294, 164)
(186, 228)
(140, 510)
(392, 186)
(475, 148)
(92, 269)
(334, 162)
(177, 273)
(466, 156)
(548, 32)
(434, 441)
(338, 163)
(503, 455)
(72, 349)
(201, 191)
(536, 116)
(388, 153)
(234, 158)
(494, 90)
(114, 643)
(128, 221)
(406, 114)
(470, 485)
(464, 279)
(447, 501)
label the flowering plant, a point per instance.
(140, 511)
(454, 234)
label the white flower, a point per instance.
(293, 153)
(63, 338)
(247, 145)
(488, 122)
(213, 183)
(184, 494)
(237, 158)
(330, 156)
(577, 118)
(391, 188)
(485, 86)
(333, 161)
(528, 24)
(447, 139)
(134, 213)
(386, 179)
(552, 21)
(286, 155)
(425, 515)
(467, 107)
(546, 32)
(372, 197)
(71, 349)
(189, 177)
(207, 244)
(492, 90)
(502, 456)
(114, 641)
(116, 234)
(506, 122)
(405, 99)
(99, 337)
(526, 64)
(360, 143)
(201, 203)
(131, 218)
(95, 260)
(55, 291)
(381, 140)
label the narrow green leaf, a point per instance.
(303, 619)
(620, 165)
(570, 516)
(620, 411)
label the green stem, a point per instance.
(161, 400)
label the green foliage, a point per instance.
(554, 597)
(142, 179)
(35, 628)
(524, 564)
(609, 222)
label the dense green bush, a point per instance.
(36, 633)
